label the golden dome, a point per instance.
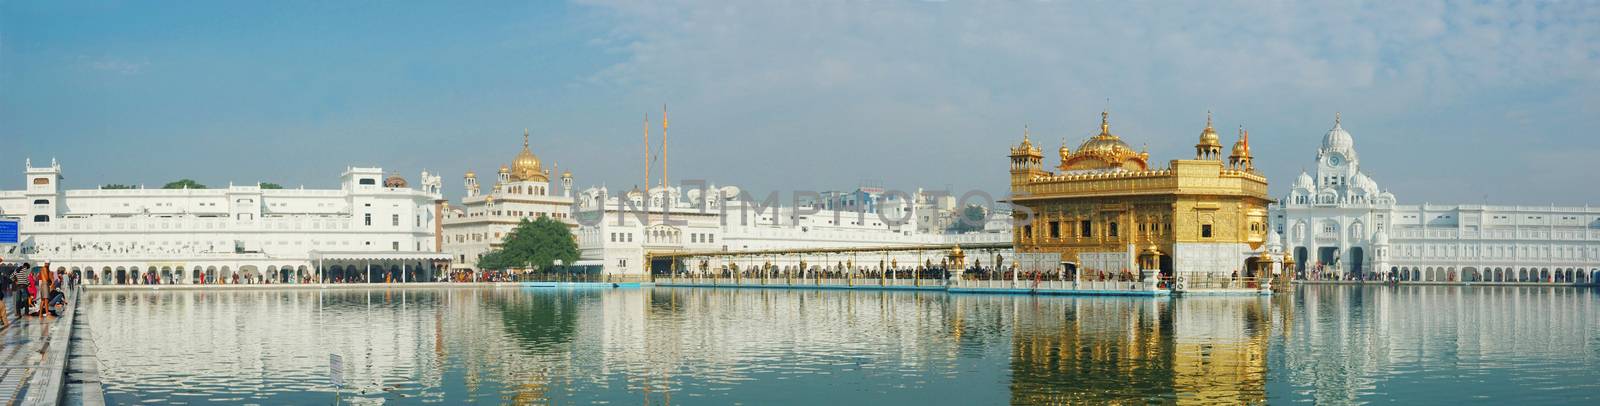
(1241, 148)
(1208, 136)
(526, 166)
(1104, 151)
(505, 169)
(472, 174)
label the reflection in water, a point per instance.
(665, 346)
(1200, 350)
(1441, 344)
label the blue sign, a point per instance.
(8, 231)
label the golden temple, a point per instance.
(1105, 210)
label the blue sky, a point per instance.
(1449, 102)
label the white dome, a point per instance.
(1338, 140)
(1382, 238)
(1304, 181)
(1274, 241)
(1365, 184)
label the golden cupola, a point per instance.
(1026, 159)
(1210, 146)
(526, 166)
(1104, 151)
(1026, 148)
(1241, 152)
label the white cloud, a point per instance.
(952, 77)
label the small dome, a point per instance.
(1208, 136)
(472, 174)
(1304, 181)
(1366, 184)
(1382, 238)
(505, 169)
(1339, 140)
(1274, 241)
(394, 181)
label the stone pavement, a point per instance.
(33, 357)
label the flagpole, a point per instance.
(663, 149)
(645, 199)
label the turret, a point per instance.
(1026, 160)
(431, 183)
(44, 192)
(472, 184)
(1241, 152)
(566, 184)
(1210, 146)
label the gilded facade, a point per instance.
(1105, 209)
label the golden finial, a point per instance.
(1024, 132)
(1208, 118)
(1335, 119)
(524, 137)
(1105, 121)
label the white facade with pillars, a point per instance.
(614, 231)
(182, 234)
(1338, 218)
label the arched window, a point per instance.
(41, 219)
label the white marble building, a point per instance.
(209, 235)
(615, 231)
(521, 191)
(1338, 218)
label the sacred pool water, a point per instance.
(1328, 344)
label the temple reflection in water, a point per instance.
(664, 346)
(1204, 350)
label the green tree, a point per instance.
(971, 219)
(184, 184)
(538, 243)
(116, 186)
(270, 185)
